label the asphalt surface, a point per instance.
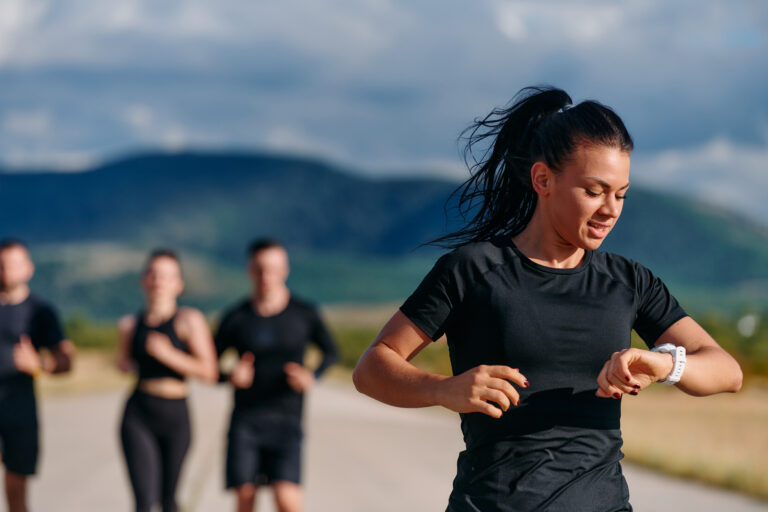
(360, 456)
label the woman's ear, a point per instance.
(541, 178)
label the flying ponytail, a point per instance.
(540, 125)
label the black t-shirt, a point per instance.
(274, 341)
(34, 318)
(559, 327)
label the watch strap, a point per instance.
(678, 355)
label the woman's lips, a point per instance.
(598, 229)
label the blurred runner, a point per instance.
(270, 331)
(164, 344)
(27, 324)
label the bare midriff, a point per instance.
(164, 387)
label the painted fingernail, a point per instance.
(526, 383)
(637, 386)
(617, 395)
(633, 392)
(627, 378)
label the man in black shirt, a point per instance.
(270, 331)
(27, 324)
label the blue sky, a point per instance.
(385, 86)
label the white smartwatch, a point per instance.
(678, 353)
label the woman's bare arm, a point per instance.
(201, 361)
(708, 370)
(385, 373)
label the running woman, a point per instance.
(538, 320)
(270, 331)
(164, 344)
(27, 324)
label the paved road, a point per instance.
(361, 456)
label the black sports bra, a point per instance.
(149, 367)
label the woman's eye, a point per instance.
(592, 193)
(621, 197)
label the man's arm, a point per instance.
(324, 340)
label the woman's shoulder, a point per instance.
(481, 256)
(127, 323)
(621, 267)
(186, 313)
(613, 259)
(188, 318)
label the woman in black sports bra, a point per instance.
(164, 344)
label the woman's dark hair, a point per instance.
(541, 125)
(161, 253)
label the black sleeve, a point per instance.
(441, 291)
(224, 334)
(45, 329)
(224, 339)
(657, 308)
(324, 340)
(7, 366)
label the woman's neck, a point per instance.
(543, 245)
(160, 310)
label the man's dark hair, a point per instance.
(260, 244)
(7, 243)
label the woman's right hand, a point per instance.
(478, 389)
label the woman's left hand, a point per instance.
(632, 370)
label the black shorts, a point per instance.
(262, 451)
(19, 438)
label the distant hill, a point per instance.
(351, 238)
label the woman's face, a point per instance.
(585, 199)
(162, 278)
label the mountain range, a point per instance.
(351, 238)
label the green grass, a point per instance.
(91, 335)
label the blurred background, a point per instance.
(334, 126)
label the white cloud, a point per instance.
(33, 124)
(63, 161)
(729, 174)
(138, 116)
(17, 17)
(554, 21)
(294, 140)
(382, 85)
(145, 31)
(156, 129)
(174, 138)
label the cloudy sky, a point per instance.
(385, 86)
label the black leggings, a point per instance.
(155, 434)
